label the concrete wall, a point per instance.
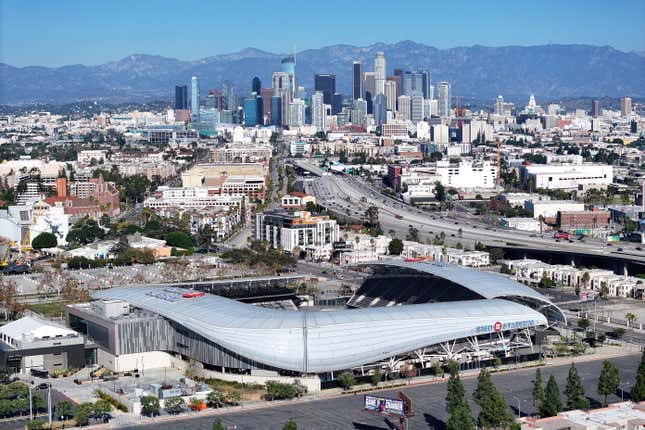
(312, 383)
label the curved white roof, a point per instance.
(322, 341)
(486, 284)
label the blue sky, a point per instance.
(59, 32)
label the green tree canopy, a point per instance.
(346, 380)
(609, 379)
(149, 406)
(290, 425)
(395, 247)
(552, 404)
(574, 391)
(44, 240)
(638, 392)
(494, 412)
(538, 390)
(180, 240)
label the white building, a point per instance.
(467, 174)
(568, 177)
(524, 224)
(550, 208)
(295, 229)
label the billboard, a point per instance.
(587, 296)
(384, 405)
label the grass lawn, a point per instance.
(50, 309)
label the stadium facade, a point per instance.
(228, 335)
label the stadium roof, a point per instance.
(486, 284)
(322, 341)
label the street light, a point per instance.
(519, 407)
(31, 408)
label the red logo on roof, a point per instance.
(497, 326)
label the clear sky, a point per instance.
(59, 32)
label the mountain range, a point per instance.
(476, 72)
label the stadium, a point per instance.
(404, 312)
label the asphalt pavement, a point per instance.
(428, 403)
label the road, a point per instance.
(351, 196)
(428, 402)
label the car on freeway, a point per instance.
(619, 249)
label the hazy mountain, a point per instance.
(477, 72)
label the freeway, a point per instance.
(351, 196)
(428, 402)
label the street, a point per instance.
(428, 402)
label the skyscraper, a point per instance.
(250, 111)
(318, 111)
(379, 73)
(390, 95)
(380, 109)
(443, 94)
(256, 85)
(416, 108)
(325, 83)
(336, 103)
(228, 96)
(370, 90)
(425, 83)
(181, 97)
(626, 107)
(596, 111)
(194, 98)
(289, 67)
(403, 108)
(282, 87)
(499, 106)
(266, 94)
(413, 84)
(276, 111)
(357, 80)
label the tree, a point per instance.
(346, 380)
(494, 410)
(44, 240)
(574, 391)
(461, 418)
(174, 405)
(376, 378)
(609, 379)
(217, 425)
(584, 323)
(439, 192)
(538, 390)
(496, 254)
(638, 392)
(215, 399)
(456, 393)
(149, 406)
(395, 247)
(457, 406)
(36, 425)
(179, 239)
(64, 410)
(101, 409)
(290, 425)
(279, 391)
(630, 317)
(552, 404)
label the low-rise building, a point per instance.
(619, 416)
(296, 200)
(548, 209)
(33, 343)
(295, 229)
(521, 223)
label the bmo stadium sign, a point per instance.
(498, 326)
